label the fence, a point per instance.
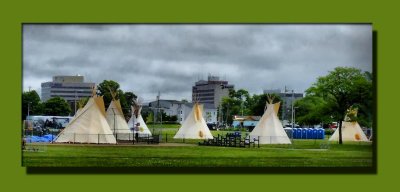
(167, 136)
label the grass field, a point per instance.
(303, 153)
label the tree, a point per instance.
(150, 117)
(342, 88)
(312, 110)
(35, 106)
(56, 106)
(257, 103)
(104, 90)
(126, 99)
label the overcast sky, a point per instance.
(146, 59)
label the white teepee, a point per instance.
(136, 117)
(89, 125)
(351, 130)
(269, 129)
(194, 126)
(117, 122)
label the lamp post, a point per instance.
(294, 114)
(292, 109)
(29, 103)
(242, 97)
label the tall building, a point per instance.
(70, 88)
(211, 91)
(288, 97)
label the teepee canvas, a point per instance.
(89, 125)
(194, 126)
(351, 130)
(117, 122)
(136, 117)
(269, 129)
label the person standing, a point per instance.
(137, 128)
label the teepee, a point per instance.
(194, 126)
(269, 129)
(89, 125)
(136, 117)
(351, 130)
(80, 106)
(116, 120)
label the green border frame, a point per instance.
(381, 15)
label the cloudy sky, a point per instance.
(146, 59)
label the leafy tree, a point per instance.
(56, 106)
(104, 90)
(35, 106)
(127, 102)
(312, 110)
(126, 99)
(150, 117)
(343, 88)
(257, 103)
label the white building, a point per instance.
(182, 109)
(209, 112)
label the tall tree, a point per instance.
(104, 90)
(56, 106)
(125, 99)
(258, 102)
(312, 110)
(126, 105)
(342, 88)
(32, 99)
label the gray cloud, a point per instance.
(146, 59)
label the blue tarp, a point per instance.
(45, 138)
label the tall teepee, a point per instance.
(116, 120)
(194, 126)
(269, 129)
(351, 130)
(89, 125)
(136, 117)
(80, 107)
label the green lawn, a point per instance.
(303, 153)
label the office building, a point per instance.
(70, 88)
(211, 91)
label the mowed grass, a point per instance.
(300, 154)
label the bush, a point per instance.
(329, 131)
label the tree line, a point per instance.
(326, 101)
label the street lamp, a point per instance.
(29, 103)
(294, 114)
(242, 97)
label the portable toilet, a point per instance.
(315, 133)
(289, 132)
(299, 131)
(309, 133)
(294, 133)
(321, 133)
(304, 133)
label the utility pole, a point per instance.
(75, 103)
(292, 108)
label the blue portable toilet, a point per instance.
(294, 133)
(289, 132)
(321, 133)
(304, 133)
(315, 133)
(299, 131)
(309, 133)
